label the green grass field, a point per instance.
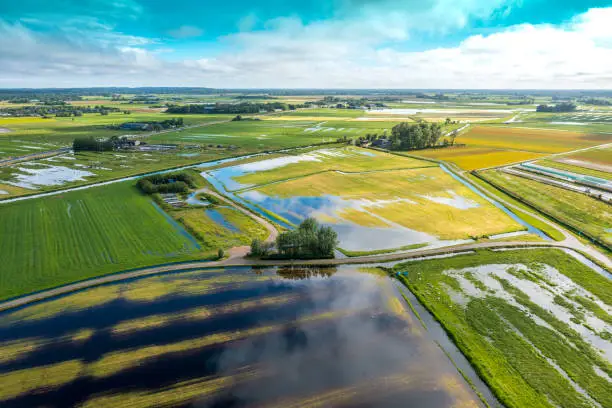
(39, 134)
(60, 239)
(275, 132)
(526, 353)
(575, 209)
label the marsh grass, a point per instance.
(509, 350)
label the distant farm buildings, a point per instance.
(382, 143)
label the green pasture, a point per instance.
(518, 356)
(259, 134)
(47, 134)
(56, 240)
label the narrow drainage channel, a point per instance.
(221, 189)
(437, 333)
(178, 227)
(530, 228)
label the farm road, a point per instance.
(239, 260)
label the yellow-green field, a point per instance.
(404, 197)
(472, 158)
(369, 189)
(531, 140)
(493, 146)
(348, 160)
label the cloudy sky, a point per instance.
(307, 44)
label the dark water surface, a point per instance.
(233, 337)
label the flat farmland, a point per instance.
(426, 200)
(579, 168)
(347, 160)
(472, 158)
(600, 157)
(584, 213)
(520, 317)
(364, 193)
(70, 169)
(270, 134)
(60, 239)
(26, 135)
(531, 140)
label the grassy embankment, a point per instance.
(549, 230)
(505, 337)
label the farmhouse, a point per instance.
(382, 143)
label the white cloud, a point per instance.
(342, 53)
(186, 31)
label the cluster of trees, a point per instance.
(151, 125)
(596, 101)
(90, 144)
(407, 136)
(166, 183)
(261, 248)
(238, 108)
(239, 118)
(560, 107)
(309, 240)
(58, 110)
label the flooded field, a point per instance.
(374, 201)
(236, 337)
(537, 323)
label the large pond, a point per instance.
(234, 337)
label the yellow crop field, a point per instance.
(473, 158)
(531, 140)
(427, 200)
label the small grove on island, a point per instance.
(166, 183)
(309, 240)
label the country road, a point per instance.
(34, 156)
(243, 261)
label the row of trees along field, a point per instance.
(245, 107)
(60, 110)
(166, 183)
(407, 136)
(560, 107)
(309, 240)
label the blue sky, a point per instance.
(307, 44)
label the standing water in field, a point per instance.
(229, 337)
